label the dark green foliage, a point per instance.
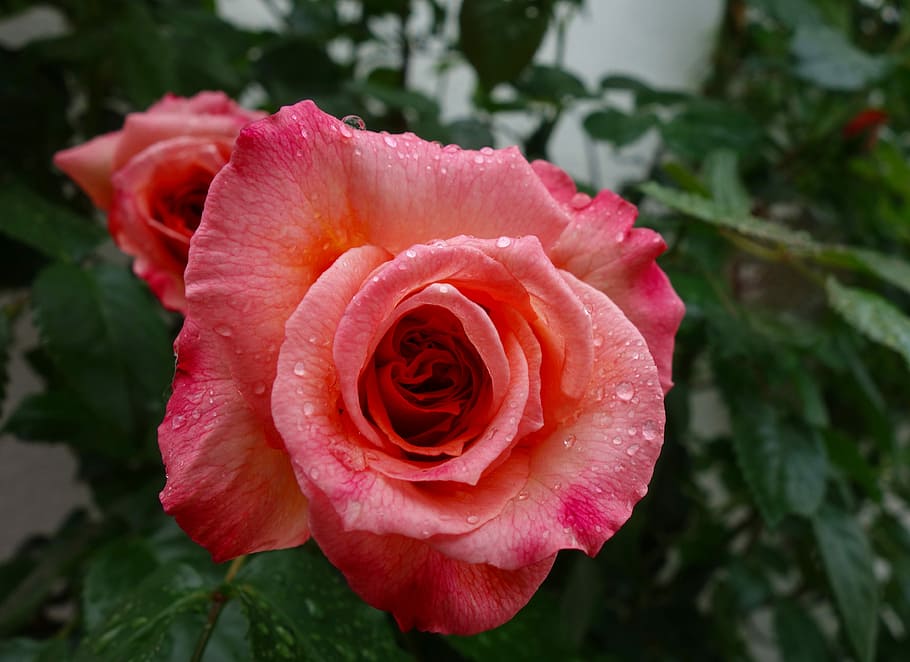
(777, 514)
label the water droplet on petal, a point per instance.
(569, 441)
(580, 200)
(625, 391)
(478, 159)
(650, 430)
(472, 519)
(176, 422)
(259, 388)
(299, 369)
(443, 289)
(617, 441)
(355, 122)
(503, 242)
(308, 408)
(632, 450)
(598, 341)
(411, 252)
(223, 330)
(314, 473)
(523, 495)
(389, 140)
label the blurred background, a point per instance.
(767, 140)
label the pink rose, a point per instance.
(446, 365)
(152, 177)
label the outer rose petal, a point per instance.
(89, 165)
(226, 487)
(603, 249)
(131, 213)
(421, 587)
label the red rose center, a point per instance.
(425, 382)
(176, 208)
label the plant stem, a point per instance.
(219, 599)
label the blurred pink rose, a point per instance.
(152, 177)
(446, 365)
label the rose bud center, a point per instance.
(425, 382)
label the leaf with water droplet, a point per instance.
(300, 608)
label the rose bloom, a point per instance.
(444, 365)
(152, 177)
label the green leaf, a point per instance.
(886, 267)
(644, 94)
(530, 635)
(299, 608)
(546, 83)
(785, 467)
(52, 230)
(30, 650)
(499, 39)
(470, 133)
(51, 416)
(140, 627)
(710, 211)
(113, 572)
(804, 469)
(798, 636)
(872, 315)
(108, 339)
(844, 455)
(703, 127)
(792, 13)
(727, 190)
(825, 57)
(848, 561)
(890, 269)
(618, 128)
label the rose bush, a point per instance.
(152, 177)
(446, 365)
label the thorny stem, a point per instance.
(219, 599)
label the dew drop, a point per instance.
(176, 422)
(557, 486)
(389, 140)
(625, 391)
(304, 134)
(443, 289)
(580, 200)
(346, 131)
(472, 519)
(478, 159)
(598, 341)
(314, 474)
(308, 408)
(569, 441)
(632, 431)
(632, 450)
(523, 495)
(223, 330)
(649, 430)
(355, 122)
(617, 441)
(503, 242)
(259, 388)
(620, 236)
(411, 252)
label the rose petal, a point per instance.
(586, 474)
(328, 453)
(421, 587)
(89, 165)
(226, 487)
(132, 218)
(603, 249)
